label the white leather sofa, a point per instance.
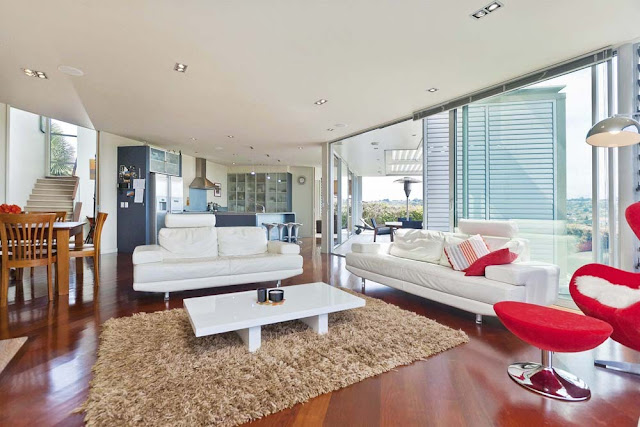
(403, 265)
(192, 254)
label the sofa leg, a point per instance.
(278, 283)
(478, 319)
(362, 285)
(166, 296)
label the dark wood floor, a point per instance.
(467, 385)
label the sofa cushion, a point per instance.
(449, 240)
(498, 228)
(198, 242)
(419, 245)
(466, 253)
(234, 241)
(263, 263)
(179, 269)
(499, 257)
(436, 277)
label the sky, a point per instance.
(383, 187)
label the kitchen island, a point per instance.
(236, 219)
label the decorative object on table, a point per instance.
(616, 131)
(224, 384)
(276, 295)
(407, 182)
(612, 295)
(8, 349)
(551, 330)
(10, 209)
(302, 180)
(262, 295)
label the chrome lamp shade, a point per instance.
(614, 131)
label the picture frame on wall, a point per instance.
(217, 190)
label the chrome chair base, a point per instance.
(549, 381)
(629, 368)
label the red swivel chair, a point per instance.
(612, 295)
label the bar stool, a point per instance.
(269, 226)
(289, 230)
(296, 230)
(281, 227)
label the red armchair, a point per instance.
(612, 295)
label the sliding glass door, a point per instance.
(522, 156)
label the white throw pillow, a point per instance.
(419, 245)
(198, 242)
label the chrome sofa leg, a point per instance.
(362, 286)
(166, 296)
(478, 319)
(279, 283)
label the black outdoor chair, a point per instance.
(379, 229)
(411, 224)
(364, 226)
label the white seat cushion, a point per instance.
(262, 263)
(234, 241)
(179, 269)
(189, 220)
(200, 242)
(437, 277)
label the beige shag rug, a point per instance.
(152, 370)
(8, 349)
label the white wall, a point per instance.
(302, 199)
(86, 151)
(108, 167)
(27, 151)
(188, 173)
(217, 173)
(3, 151)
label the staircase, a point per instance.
(53, 194)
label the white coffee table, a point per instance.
(240, 312)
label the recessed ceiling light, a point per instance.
(300, 148)
(181, 68)
(72, 71)
(433, 89)
(230, 136)
(376, 148)
(33, 73)
(374, 143)
(491, 7)
(193, 139)
(330, 129)
(233, 163)
(320, 101)
(340, 125)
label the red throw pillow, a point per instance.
(499, 257)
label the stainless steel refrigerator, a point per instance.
(165, 195)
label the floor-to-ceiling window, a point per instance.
(522, 156)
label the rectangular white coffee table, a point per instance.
(240, 311)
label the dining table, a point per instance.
(62, 232)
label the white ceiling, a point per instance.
(256, 67)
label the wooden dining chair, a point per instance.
(60, 217)
(27, 241)
(92, 250)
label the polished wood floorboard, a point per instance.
(465, 386)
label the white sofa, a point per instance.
(192, 254)
(403, 265)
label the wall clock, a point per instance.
(302, 180)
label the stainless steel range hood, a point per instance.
(201, 182)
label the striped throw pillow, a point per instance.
(462, 255)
